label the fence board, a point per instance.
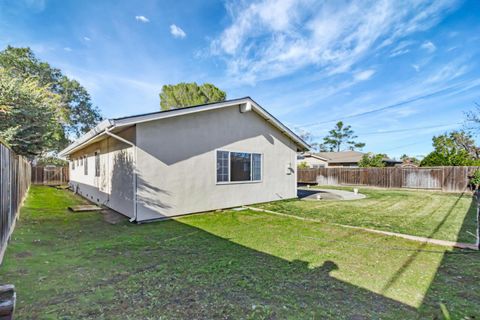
(15, 176)
(50, 175)
(448, 179)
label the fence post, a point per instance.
(15, 178)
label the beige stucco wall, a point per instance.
(114, 186)
(176, 162)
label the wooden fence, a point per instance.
(448, 179)
(15, 179)
(49, 175)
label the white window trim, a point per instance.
(86, 166)
(229, 162)
(95, 164)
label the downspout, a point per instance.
(107, 131)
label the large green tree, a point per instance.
(371, 160)
(189, 94)
(341, 137)
(29, 115)
(77, 115)
(456, 148)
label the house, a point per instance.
(346, 158)
(312, 160)
(181, 161)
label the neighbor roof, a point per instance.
(342, 156)
(348, 156)
(111, 124)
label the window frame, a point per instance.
(85, 165)
(97, 165)
(229, 167)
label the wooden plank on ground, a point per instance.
(84, 207)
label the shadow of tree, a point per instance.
(184, 272)
(122, 175)
(457, 280)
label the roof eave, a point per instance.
(92, 134)
(133, 120)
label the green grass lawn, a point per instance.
(226, 265)
(437, 215)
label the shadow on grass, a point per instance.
(178, 271)
(406, 265)
(457, 280)
(186, 272)
(169, 269)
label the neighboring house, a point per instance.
(312, 160)
(342, 159)
(188, 160)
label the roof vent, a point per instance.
(245, 107)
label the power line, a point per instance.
(401, 130)
(408, 129)
(392, 106)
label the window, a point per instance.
(73, 164)
(256, 166)
(238, 166)
(222, 166)
(85, 168)
(97, 164)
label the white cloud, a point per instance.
(177, 32)
(401, 48)
(68, 49)
(449, 71)
(86, 38)
(416, 67)
(429, 46)
(272, 38)
(364, 75)
(142, 19)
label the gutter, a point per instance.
(134, 180)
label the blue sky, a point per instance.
(398, 72)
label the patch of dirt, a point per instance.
(113, 217)
(24, 254)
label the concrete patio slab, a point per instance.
(327, 194)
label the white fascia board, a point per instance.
(175, 113)
(129, 121)
(280, 126)
(99, 129)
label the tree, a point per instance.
(29, 115)
(410, 159)
(371, 160)
(51, 161)
(302, 165)
(308, 138)
(473, 118)
(454, 149)
(341, 136)
(77, 114)
(189, 94)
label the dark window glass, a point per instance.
(97, 164)
(85, 168)
(240, 163)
